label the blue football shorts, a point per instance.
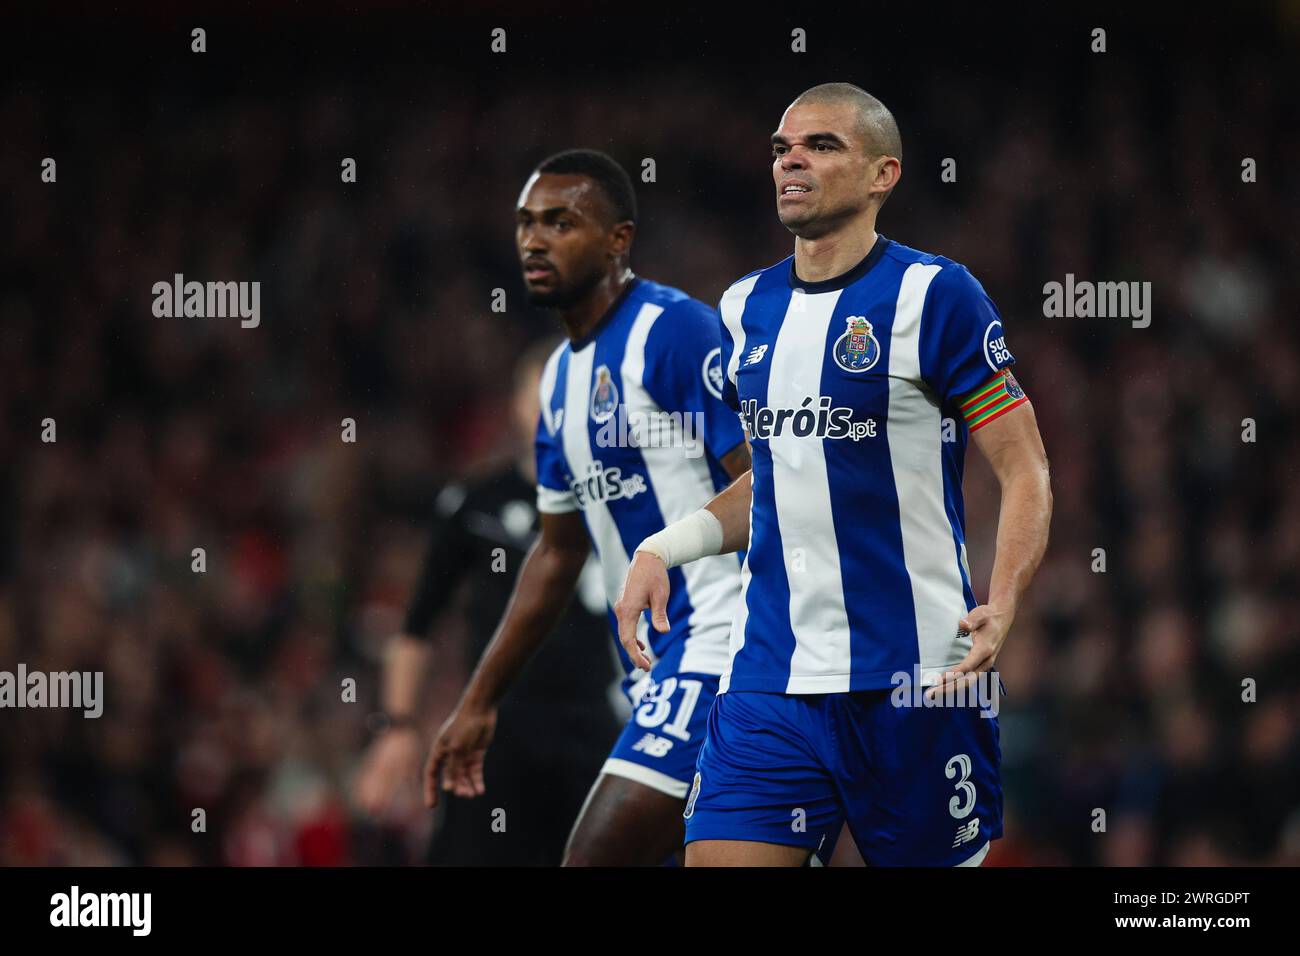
(660, 745)
(917, 786)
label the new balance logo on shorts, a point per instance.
(967, 832)
(653, 745)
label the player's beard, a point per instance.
(564, 294)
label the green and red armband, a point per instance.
(991, 400)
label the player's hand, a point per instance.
(456, 758)
(646, 586)
(988, 626)
(392, 762)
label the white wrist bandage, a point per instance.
(695, 536)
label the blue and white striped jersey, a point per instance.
(858, 394)
(632, 431)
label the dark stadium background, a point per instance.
(223, 688)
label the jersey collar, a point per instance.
(614, 306)
(844, 278)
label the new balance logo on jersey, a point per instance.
(967, 832)
(756, 355)
(808, 420)
(605, 484)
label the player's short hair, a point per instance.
(876, 124)
(602, 169)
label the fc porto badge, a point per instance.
(1013, 387)
(604, 397)
(857, 349)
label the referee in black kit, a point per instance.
(556, 726)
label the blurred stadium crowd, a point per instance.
(223, 688)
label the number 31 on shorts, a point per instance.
(657, 704)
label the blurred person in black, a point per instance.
(482, 529)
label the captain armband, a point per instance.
(991, 400)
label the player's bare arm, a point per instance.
(731, 506)
(694, 537)
(1015, 451)
(545, 587)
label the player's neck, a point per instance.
(831, 255)
(585, 314)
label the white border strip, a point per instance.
(654, 779)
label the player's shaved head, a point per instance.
(876, 125)
(836, 157)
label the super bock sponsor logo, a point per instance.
(996, 353)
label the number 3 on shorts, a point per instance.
(959, 766)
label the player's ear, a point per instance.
(887, 172)
(620, 240)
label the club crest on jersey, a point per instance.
(604, 397)
(857, 349)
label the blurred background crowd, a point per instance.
(223, 688)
